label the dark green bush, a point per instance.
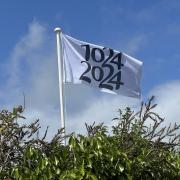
(138, 147)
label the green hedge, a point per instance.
(132, 149)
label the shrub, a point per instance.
(138, 147)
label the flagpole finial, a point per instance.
(58, 29)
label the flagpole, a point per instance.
(61, 86)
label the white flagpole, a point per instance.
(61, 86)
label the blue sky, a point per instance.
(147, 30)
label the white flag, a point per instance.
(100, 67)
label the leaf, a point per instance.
(58, 171)
(56, 161)
(81, 169)
(121, 168)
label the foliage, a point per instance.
(138, 147)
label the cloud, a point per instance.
(168, 100)
(24, 51)
(105, 108)
(101, 110)
(32, 69)
(136, 43)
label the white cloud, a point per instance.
(168, 100)
(136, 43)
(24, 51)
(32, 69)
(104, 108)
(101, 110)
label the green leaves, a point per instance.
(128, 153)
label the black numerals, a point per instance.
(97, 55)
(87, 53)
(116, 79)
(83, 77)
(108, 66)
(105, 73)
(97, 73)
(117, 60)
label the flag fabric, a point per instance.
(100, 67)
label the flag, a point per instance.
(100, 67)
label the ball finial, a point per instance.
(58, 29)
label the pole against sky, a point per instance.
(149, 31)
